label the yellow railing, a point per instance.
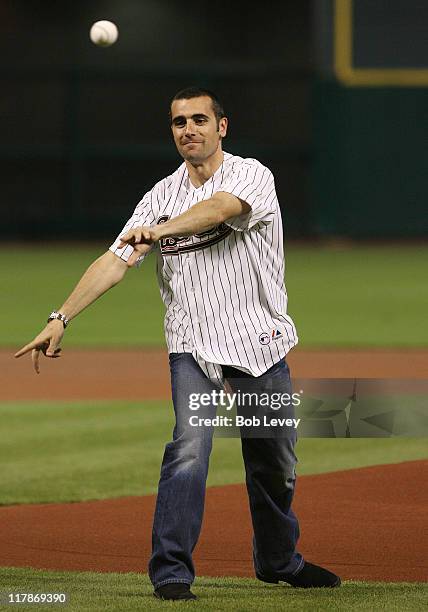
(366, 77)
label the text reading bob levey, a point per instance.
(243, 402)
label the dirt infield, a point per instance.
(365, 524)
(137, 374)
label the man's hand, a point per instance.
(200, 217)
(141, 238)
(47, 342)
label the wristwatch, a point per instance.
(59, 316)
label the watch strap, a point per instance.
(58, 315)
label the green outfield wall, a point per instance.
(369, 172)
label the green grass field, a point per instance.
(93, 450)
(88, 591)
(360, 296)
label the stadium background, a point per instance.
(85, 130)
(332, 96)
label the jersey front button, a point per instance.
(192, 289)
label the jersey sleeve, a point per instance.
(254, 184)
(144, 214)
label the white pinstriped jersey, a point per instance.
(223, 289)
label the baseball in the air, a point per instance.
(103, 33)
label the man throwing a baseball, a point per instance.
(215, 227)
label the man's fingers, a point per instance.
(133, 258)
(131, 237)
(146, 234)
(139, 249)
(36, 347)
(22, 351)
(35, 355)
(138, 235)
(27, 348)
(48, 352)
(126, 239)
(52, 351)
(135, 237)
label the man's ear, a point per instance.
(222, 127)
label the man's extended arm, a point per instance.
(102, 274)
(203, 216)
(199, 218)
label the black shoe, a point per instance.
(175, 591)
(313, 576)
(309, 577)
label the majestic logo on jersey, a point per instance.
(265, 338)
(174, 245)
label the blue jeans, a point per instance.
(270, 478)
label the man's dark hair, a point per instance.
(197, 92)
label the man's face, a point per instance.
(194, 127)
